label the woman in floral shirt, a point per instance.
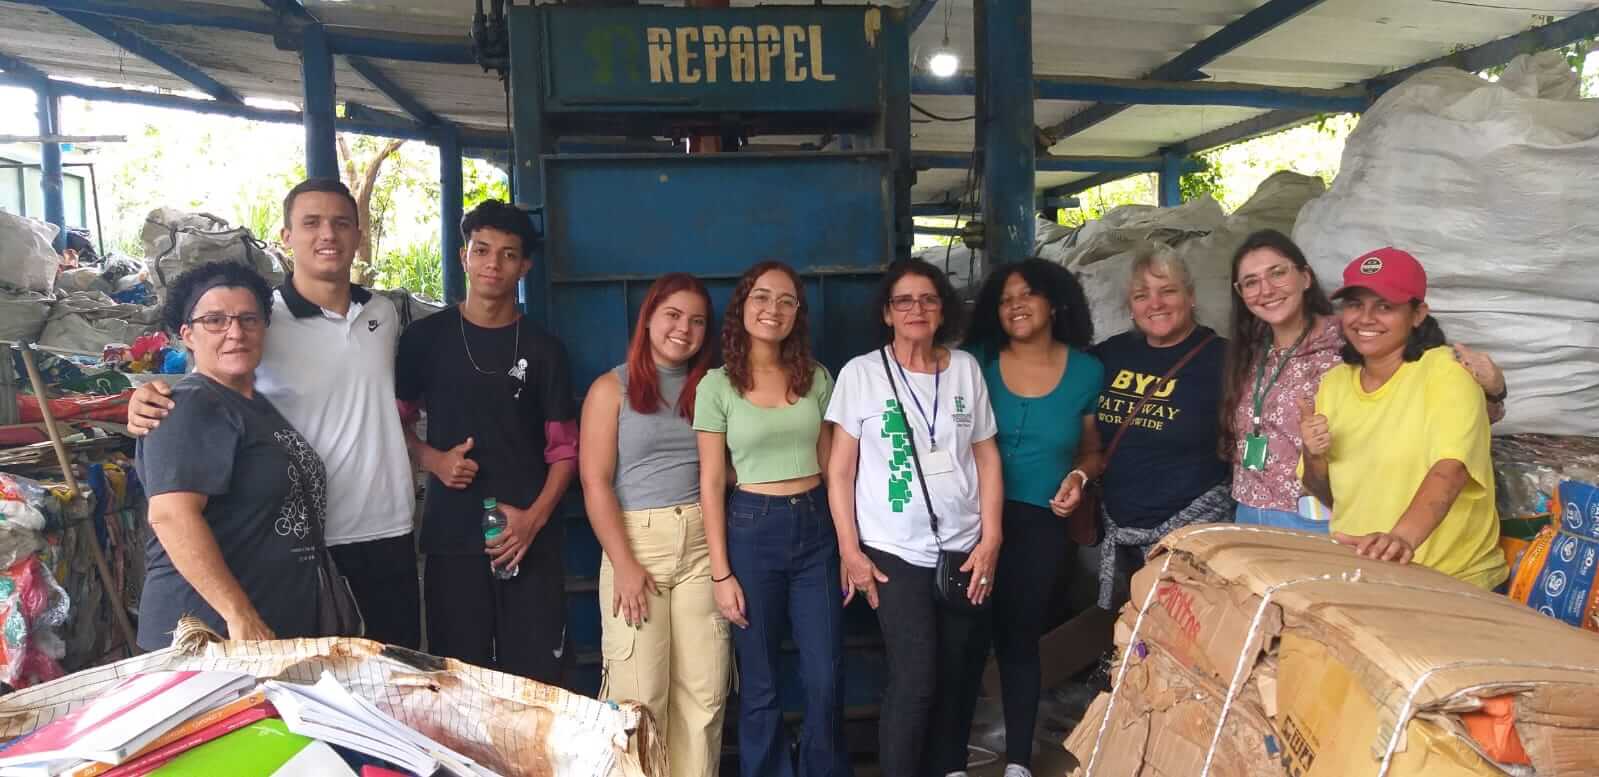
(1284, 339)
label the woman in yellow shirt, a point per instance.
(1397, 440)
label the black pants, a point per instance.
(1035, 548)
(383, 577)
(935, 663)
(516, 626)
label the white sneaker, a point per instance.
(957, 774)
(1016, 770)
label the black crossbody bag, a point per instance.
(951, 586)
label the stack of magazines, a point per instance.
(204, 724)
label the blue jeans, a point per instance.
(1282, 519)
(785, 555)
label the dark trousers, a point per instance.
(516, 625)
(1035, 548)
(383, 577)
(935, 662)
(785, 556)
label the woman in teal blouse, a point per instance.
(1030, 331)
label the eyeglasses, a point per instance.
(1278, 276)
(217, 323)
(905, 302)
(785, 303)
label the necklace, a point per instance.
(516, 348)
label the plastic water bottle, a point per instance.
(494, 523)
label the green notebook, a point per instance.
(261, 749)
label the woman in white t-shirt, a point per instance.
(917, 392)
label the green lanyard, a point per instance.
(1260, 374)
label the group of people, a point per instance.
(744, 493)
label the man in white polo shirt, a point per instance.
(329, 369)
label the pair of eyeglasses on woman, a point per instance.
(905, 302)
(1278, 276)
(765, 300)
(217, 323)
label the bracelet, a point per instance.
(1494, 399)
(727, 576)
(1086, 479)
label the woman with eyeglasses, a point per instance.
(1031, 330)
(774, 556)
(1285, 338)
(236, 494)
(917, 500)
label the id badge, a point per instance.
(937, 463)
(1255, 452)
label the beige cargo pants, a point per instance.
(679, 661)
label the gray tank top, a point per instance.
(657, 457)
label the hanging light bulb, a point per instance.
(944, 62)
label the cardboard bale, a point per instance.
(1163, 721)
(1368, 647)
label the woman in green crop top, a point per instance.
(773, 549)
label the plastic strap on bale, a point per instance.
(1110, 706)
(1354, 576)
(1408, 711)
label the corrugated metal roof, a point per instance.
(1334, 43)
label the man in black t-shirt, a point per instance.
(501, 424)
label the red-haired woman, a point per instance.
(774, 555)
(663, 642)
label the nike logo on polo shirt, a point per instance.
(372, 326)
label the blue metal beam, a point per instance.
(397, 94)
(367, 122)
(1006, 70)
(919, 14)
(941, 231)
(1569, 30)
(1245, 28)
(50, 180)
(378, 44)
(145, 49)
(946, 209)
(1126, 91)
(316, 67)
(168, 12)
(1055, 164)
(1553, 35)
(450, 203)
(1171, 174)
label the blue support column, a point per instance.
(55, 207)
(1171, 174)
(450, 199)
(320, 115)
(1006, 75)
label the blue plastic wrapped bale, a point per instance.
(1558, 574)
(1579, 508)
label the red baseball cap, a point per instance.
(1388, 272)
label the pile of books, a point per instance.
(183, 723)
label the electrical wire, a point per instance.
(936, 117)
